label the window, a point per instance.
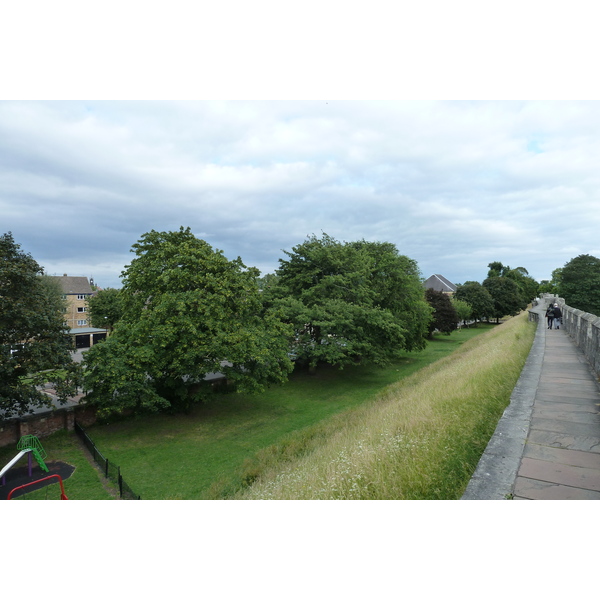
(82, 309)
(81, 322)
(81, 296)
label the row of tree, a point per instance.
(185, 311)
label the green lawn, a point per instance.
(195, 456)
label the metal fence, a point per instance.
(111, 471)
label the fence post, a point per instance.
(120, 482)
(106, 469)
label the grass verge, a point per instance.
(421, 439)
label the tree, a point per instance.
(187, 311)
(552, 286)
(104, 308)
(497, 269)
(463, 310)
(580, 283)
(506, 296)
(478, 297)
(267, 281)
(350, 302)
(34, 343)
(445, 317)
(528, 286)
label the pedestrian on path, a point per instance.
(557, 316)
(550, 315)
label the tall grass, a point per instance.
(421, 439)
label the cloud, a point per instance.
(455, 185)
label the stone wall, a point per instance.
(582, 327)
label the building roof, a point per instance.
(440, 284)
(73, 285)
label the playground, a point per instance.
(17, 481)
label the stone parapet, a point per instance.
(582, 327)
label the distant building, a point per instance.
(440, 284)
(77, 291)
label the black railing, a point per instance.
(110, 470)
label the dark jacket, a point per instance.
(557, 312)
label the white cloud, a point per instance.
(455, 185)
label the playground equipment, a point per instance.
(63, 496)
(28, 445)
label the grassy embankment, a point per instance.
(421, 439)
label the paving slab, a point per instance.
(561, 440)
(531, 489)
(555, 472)
(575, 458)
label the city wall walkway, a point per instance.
(547, 443)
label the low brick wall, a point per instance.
(44, 424)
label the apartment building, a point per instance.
(76, 291)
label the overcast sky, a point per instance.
(455, 184)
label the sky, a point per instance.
(453, 184)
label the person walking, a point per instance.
(550, 315)
(557, 316)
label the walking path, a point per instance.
(547, 443)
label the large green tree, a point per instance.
(478, 297)
(580, 283)
(506, 296)
(527, 285)
(350, 302)
(188, 311)
(34, 342)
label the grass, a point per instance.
(219, 448)
(84, 484)
(421, 439)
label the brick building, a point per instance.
(77, 291)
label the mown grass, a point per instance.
(84, 484)
(421, 439)
(221, 446)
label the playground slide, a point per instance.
(14, 461)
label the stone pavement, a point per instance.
(561, 459)
(547, 444)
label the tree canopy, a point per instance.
(506, 296)
(350, 301)
(105, 308)
(579, 283)
(527, 285)
(187, 311)
(445, 318)
(34, 342)
(478, 298)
